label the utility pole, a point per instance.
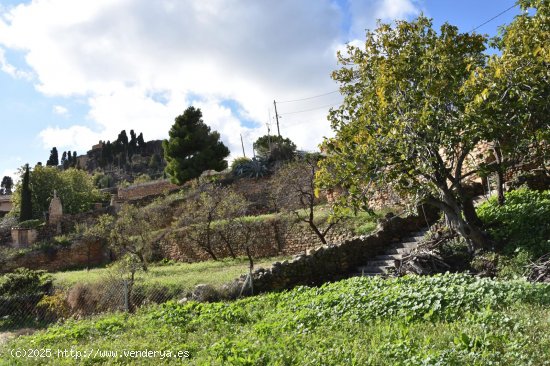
(277, 118)
(268, 137)
(242, 144)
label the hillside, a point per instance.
(439, 320)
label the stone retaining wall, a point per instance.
(143, 190)
(334, 262)
(269, 238)
(78, 255)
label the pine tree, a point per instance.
(192, 148)
(74, 160)
(26, 197)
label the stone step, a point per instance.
(385, 257)
(365, 274)
(416, 236)
(407, 244)
(381, 262)
(398, 251)
(374, 269)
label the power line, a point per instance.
(315, 96)
(493, 18)
(311, 109)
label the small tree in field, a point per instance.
(206, 213)
(128, 234)
(294, 190)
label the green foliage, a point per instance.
(366, 228)
(21, 290)
(440, 320)
(513, 88)
(74, 187)
(521, 228)
(25, 195)
(6, 185)
(250, 168)
(30, 224)
(53, 160)
(522, 223)
(142, 178)
(274, 148)
(102, 180)
(396, 126)
(192, 148)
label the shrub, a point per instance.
(30, 224)
(21, 290)
(53, 307)
(250, 168)
(522, 224)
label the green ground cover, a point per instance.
(173, 275)
(440, 320)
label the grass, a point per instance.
(439, 320)
(173, 275)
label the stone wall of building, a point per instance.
(78, 255)
(143, 190)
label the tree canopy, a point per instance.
(403, 123)
(6, 185)
(53, 160)
(192, 148)
(74, 187)
(417, 103)
(274, 148)
(512, 92)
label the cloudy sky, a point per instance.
(73, 72)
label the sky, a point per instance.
(73, 72)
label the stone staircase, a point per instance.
(387, 262)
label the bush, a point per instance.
(521, 226)
(53, 307)
(30, 224)
(250, 168)
(21, 290)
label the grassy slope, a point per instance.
(439, 320)
(180, 275)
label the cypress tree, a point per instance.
(54, 158)
(26, 197)
(141, 143)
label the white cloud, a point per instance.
(73, 138)
(60, 110)
(118, 53)
(366, 13)
(11, 70)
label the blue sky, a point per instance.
(75, 71)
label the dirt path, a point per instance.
(6, 336)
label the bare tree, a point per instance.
(213, 212)
(294, 190)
